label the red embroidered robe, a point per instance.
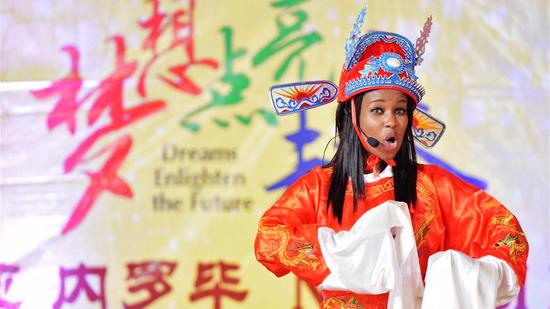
(449, 214)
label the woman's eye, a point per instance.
(377, 110)
(400, 111)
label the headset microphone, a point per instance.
(373, 142)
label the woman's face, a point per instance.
(384, 117)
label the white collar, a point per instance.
(387, 172)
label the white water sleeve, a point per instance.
(455, 280)
(377, 255)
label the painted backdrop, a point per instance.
(139, 148)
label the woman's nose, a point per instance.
(389, 121)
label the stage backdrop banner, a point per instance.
(139, 147)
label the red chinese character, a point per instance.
(67, 89)
(108, 99)
(149, 277)
(181, 23)
(207, 286)
(105, 179)
(5, 284)
(81, 273)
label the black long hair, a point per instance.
(348, 160)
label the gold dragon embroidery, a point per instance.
(502, 220)
(515, 244)
(337, 302)
(279, 240)
(422, 230)
(426, 195)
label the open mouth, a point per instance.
(390, 142)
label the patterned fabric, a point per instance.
(449, 214)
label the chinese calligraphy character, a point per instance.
(67, 88)
(267, 115)
(109, 99)
(300, 138)
(81, 273)
(149, 277)
(237, 83)
(287, 3)
(5, 283)
(289, 36)
(181, 22)
(430, 158)
(106, 179)
(223, 286)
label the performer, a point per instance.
(373, 228)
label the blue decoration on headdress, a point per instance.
(368, 82)
(387, 37)
(400, 71)
(389, 62)
(354, 35)
(295, 97)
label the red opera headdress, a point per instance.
(376, 60)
